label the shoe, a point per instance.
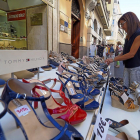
(90, 90)
(24, 74)
(119, 102)
(2, 137)
(3, 111)
(70, 113)
(123, 136)
(2, 82)
(17, 96)
(41, 70)
(6, 77)
(123, 126)
(117, 66)
(85, 102)
(47, 68)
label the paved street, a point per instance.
(116, 72)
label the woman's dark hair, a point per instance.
(132, 22)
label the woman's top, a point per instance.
(135, 61)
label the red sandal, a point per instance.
(71, 113)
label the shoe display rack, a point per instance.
(85, 128)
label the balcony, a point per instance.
(90, 5)
(103, 13)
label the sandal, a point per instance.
(123, 126)
(16, 96)
(70, 113)
(123, 136)
(90, 90)
(85, 102)
(124, 103)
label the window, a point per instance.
(112, 33)
(113, 10)
(113, 22)
(13, 31)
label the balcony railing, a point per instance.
(105, 10)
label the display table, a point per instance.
(85, 128)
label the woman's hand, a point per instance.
(108, 61)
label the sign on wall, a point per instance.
(17, 15)
(65, 23)
(17, 60)
(36, 19)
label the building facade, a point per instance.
(117, 34)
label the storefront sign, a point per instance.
(17, 15)
(36, 19)
(50, 2)
(17, 60)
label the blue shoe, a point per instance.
(53, 62)
(87, 90)
(85, 102)
(3, 111)
(2, 82)
(2, 137)
(17, 95)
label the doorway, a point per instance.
(75, 36)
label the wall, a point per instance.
(65, 39)
(18, 4)
(65, 8)
(4, 5)
(37, 35)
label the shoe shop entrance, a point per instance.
(75, 32)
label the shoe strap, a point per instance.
(14, 95)
(63, 109)
(4, 111)
(2, 137)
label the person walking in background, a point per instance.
(116, 54)
(111, 51)
(108, 51)
(100, 49)
(93, 50)
(131, 51)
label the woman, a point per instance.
(131, 52)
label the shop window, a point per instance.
(13, 30)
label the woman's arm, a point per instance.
(131, 54)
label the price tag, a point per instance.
(101, 128)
